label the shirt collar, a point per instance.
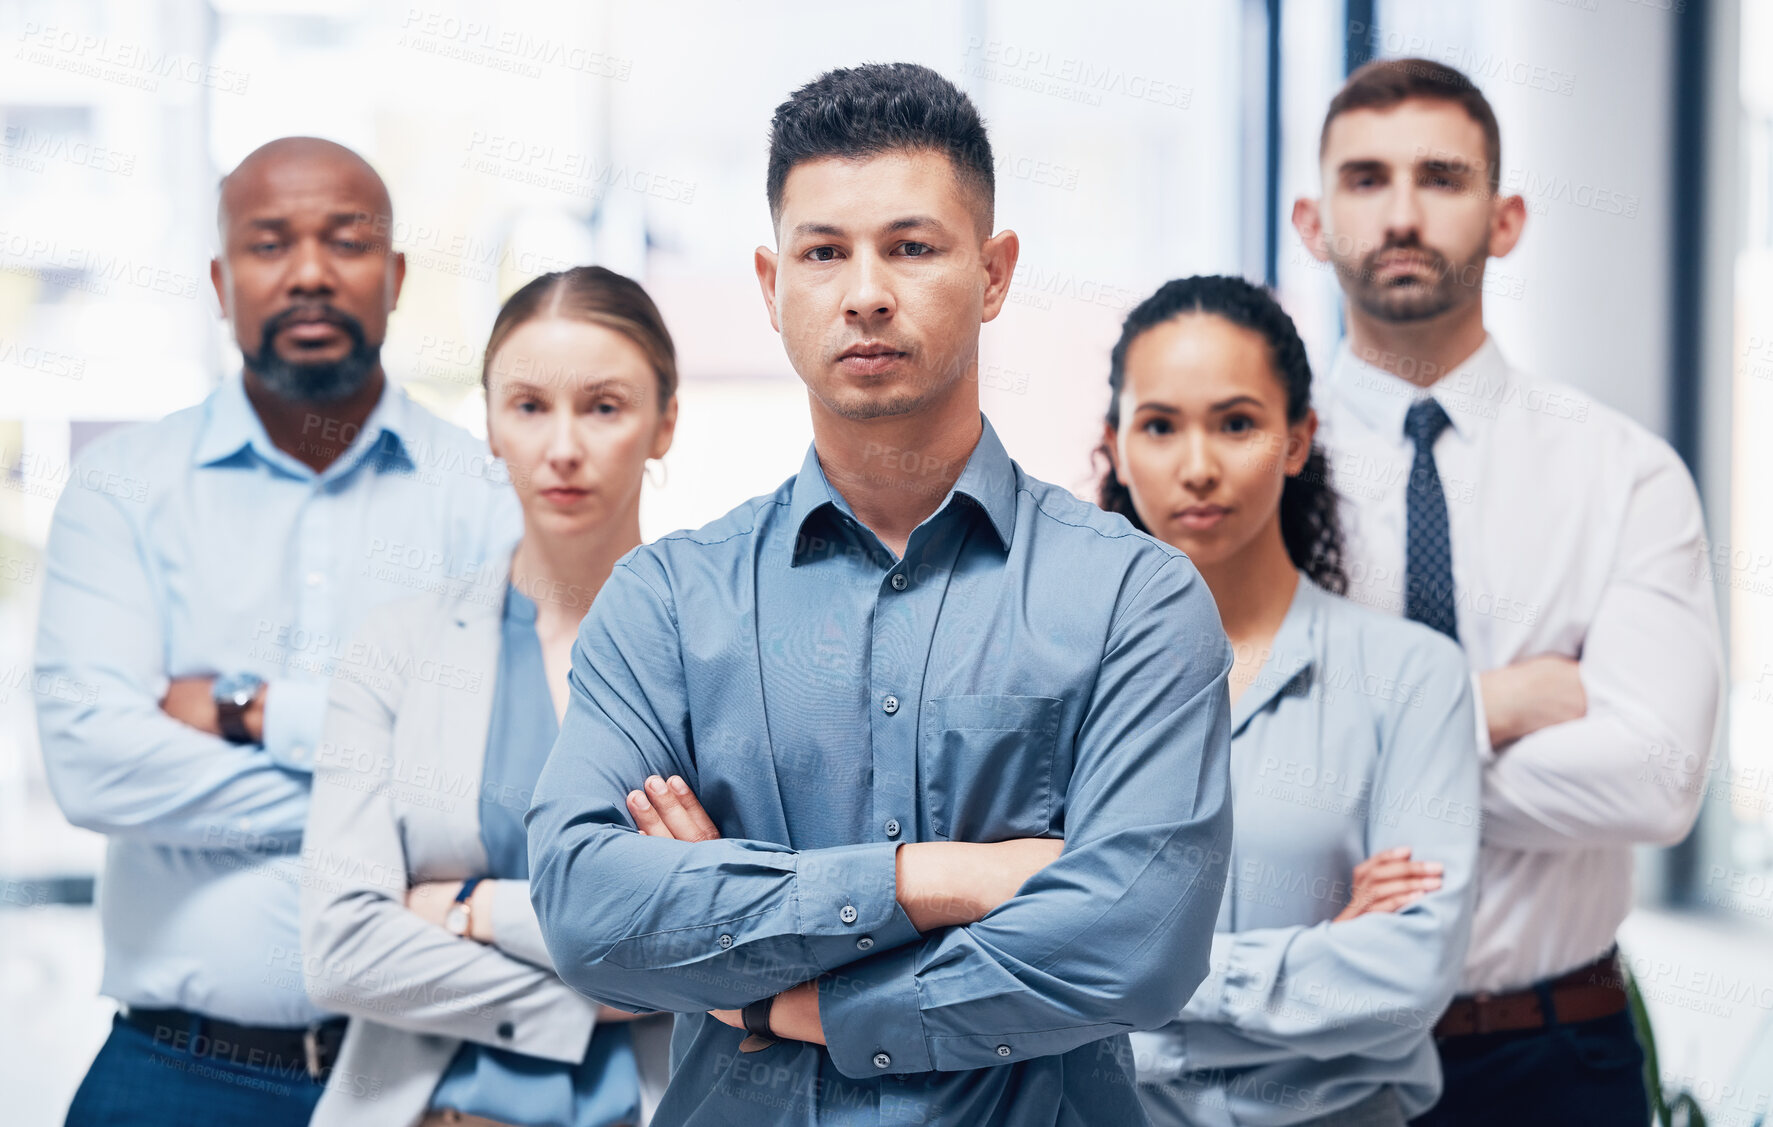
(233, 426)
(1292, 653)
(988, 480)
(1380, 399)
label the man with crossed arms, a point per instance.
(895, 683)
(1557, 542)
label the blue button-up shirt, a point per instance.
(190, 547)
(1355, 737)
(1032, 666)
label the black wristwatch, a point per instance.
(233, 695)
(756, 1019)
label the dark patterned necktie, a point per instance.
(1428, 548)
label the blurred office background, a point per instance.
(1135, 143)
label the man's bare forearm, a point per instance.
(954, 883)
(1531, 694)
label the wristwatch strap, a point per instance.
(461, 905)
(756, 1019)
(232, 721)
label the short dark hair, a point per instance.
(860, 112)
(1385, 83)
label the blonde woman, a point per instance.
(416, 918)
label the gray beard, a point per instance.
(316, 383)
(322, 382)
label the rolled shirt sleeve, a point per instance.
(655, 924)
(1115, 934)
(295, 714)
(1633, 770)
(514, 927)
(116, 763)
(1486, 751)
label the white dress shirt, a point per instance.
(1576, 532)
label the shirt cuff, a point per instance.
(1486, 753)
(295, 714)
(1213, 999)
(1161, 1055)
(848, 903)
(515, 930)
(871, 1018)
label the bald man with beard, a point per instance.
(204, 576)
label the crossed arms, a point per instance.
(938, 884)
(1111, 935)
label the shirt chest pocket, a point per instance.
(985, 766)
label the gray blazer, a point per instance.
(396, 801)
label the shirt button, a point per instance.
(316, 578)
(847, 913)
(507, 1030)
(892, 827)
(899, 581)
(1003, 1050)
(890, 705)
(865, 943)
(726, 941)
(881, 1060)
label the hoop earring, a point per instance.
(664, 472)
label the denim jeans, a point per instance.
(135, 1082)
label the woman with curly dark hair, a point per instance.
(1354, 769)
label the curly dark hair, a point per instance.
(1308, 517)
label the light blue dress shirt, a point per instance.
(1032, 666)
(1355, 737)
(192, 547)
(499, 1084)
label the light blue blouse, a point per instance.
(1356, 736)
(498, 1084)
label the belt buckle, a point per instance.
(1480, 1013)
(311, 1049)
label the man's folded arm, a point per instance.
(649, 923)
(1115, 934)
(1633, 770)
(116, 763)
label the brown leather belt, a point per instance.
(1586, 993)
